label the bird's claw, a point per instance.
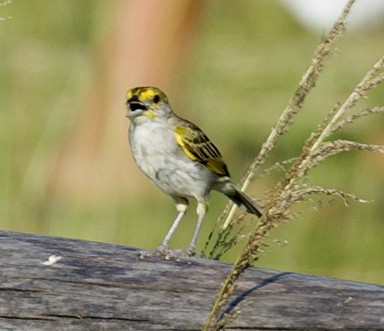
(168, 254)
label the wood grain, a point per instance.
(96, 286)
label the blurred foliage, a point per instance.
(246, 63)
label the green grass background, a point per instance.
(246, 62)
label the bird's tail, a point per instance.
(245, 202)
(239, 198)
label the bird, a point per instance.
(178, 157)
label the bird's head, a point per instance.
(146, 103)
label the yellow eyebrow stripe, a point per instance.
(147, 94)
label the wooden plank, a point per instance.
(97, 286)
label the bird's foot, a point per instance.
(168, 254)
(162, 250)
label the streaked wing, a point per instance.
(197, 146)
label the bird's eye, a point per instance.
(156, 98)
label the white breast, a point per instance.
(158, 155)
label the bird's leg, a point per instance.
(201, 211)
(162, 250)
(181, 208)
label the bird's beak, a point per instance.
(135, 108)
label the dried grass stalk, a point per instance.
(292, 187)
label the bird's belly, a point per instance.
(179, 177)
(183, 179)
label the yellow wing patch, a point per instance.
(218, 167)
(197, 146)
(180, 134)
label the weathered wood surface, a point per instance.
(106, 287)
